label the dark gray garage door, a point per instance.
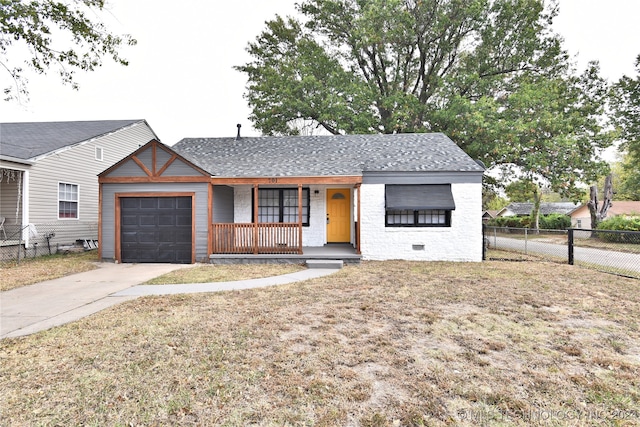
(155, 229)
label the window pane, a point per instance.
(281, 205)
(67, 200)
(400, 217)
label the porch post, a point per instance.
(300, 218)
(358, 223)
(210, 236)
(255, 219)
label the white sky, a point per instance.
(180, 78)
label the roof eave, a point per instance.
(17, 160)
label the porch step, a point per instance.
(325, 263)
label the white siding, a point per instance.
(78, 165)
(460, 242)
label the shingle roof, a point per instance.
(29, 140)
(332, 155)
(546, 208)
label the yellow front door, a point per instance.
(338, 215)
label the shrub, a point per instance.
(620, 223)
(547, 222)
(555, 222)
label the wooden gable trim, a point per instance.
(155, 172)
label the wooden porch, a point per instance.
(333, 251)
(257, 238)
(271, 243)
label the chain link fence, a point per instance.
(615, 252)
(22, 242)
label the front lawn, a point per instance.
(380, 344)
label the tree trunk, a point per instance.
(535, 213)
(592, 204)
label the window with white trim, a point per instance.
(99, 153)
(67, 201)
(281, 205)
(427, 205)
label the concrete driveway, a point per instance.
(41, 306)
(33, 308)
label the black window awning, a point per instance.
(416, 197)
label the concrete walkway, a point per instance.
(41, 306)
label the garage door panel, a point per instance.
(129, 220)
(183, 220)
(154, 229)
(183, 203)
(147, 220)
(168, 220)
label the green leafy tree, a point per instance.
(625, 104)
(489, 73)
(626, 177)
(65, 36)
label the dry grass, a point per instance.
(381, 344)
(34, 270)
(206, 273)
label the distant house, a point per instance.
(49, 176)
(546, 208)
(581, 218)
(490, 214)
(402, 196)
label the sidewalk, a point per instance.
(41, 306)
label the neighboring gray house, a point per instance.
(546, 208)
(49, 176)
(401, 196)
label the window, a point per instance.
(418, 205)
(281, 205)
(99, 153)
(67, 201)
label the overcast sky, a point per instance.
(180, 78)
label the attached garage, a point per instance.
(154, 208)
(156, 229)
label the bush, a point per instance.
(555, 222)
(547, 222)
(620, 223)
(510, 221)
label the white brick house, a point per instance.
(402, 196)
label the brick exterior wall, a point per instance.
(460, 242)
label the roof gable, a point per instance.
(332, 155)
(153, 161)
(31, 140)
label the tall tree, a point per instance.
(62, 35)
(625, 104)
(489, 73)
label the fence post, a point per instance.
(570, 244)
(525, 241)
(484, 242)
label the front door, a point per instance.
(338, 215)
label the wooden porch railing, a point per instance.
(261, 238)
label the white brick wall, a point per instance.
(460, 242)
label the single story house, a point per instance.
(581, 217)
(546, 208)
(490, 214)
(401, 196)
(49, 177)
